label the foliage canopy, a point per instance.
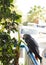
(8, 23)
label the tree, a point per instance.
(35, 13)
(8, 22)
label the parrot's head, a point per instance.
(26, 36)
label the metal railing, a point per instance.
(29, 57)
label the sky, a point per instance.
(25, 5)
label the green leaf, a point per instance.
(11, 1)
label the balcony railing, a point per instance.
(29, 57)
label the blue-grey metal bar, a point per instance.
(30, 54)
